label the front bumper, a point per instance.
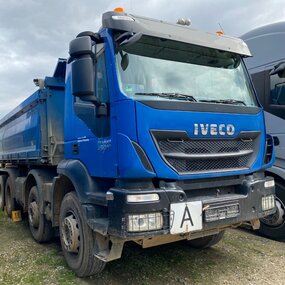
(244, 194)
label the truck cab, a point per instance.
(160, 138)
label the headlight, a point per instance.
(145, 222)
(268, 202)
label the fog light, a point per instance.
(268, 202)
(145, 222)
(142, 198)
(269, 183)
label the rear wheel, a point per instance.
(2, 191)
(40, 228)
(77, 239)
(10, 201)
(273, 226)
(205, 242)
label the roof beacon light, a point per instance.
(119, 10)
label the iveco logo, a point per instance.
(214, 129)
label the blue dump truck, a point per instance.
(149, 132)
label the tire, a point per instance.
(10, 201)
(77, 239)
(273, 226)
(40, 228)
(2, 191)
(205, 242)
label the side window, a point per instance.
(102, 81)
(277, 89)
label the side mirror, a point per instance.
(80, 46)
(82, 68)
(124, 60)
(82, 77)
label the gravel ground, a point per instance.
(240, 258)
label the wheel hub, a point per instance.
(70, 234)
(277, 218)
(34, 214)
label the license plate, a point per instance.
(185, 217)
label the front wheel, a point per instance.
(207, 241)
(273, 226)
(78, 241)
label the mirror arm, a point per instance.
(91, 98)
(280, 67)
(94, 36)
(102, 110)
(127, 38)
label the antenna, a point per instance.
(221, 27)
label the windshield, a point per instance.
(158, 69)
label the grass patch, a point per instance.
(23, 261)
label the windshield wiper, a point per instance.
(225, 101)
(178, 96)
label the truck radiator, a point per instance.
(187, 155)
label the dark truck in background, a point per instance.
(150, 132)
(267, 68)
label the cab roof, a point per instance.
(161, 29)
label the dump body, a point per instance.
(33, 132)
(150, 132)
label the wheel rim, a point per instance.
(70, 234)
(276, 219)
(34, 214)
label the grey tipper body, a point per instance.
(267, 45)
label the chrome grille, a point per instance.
(186, 155)
(203, 146)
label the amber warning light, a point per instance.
(220, 33)
(119, 10)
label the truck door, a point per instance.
(90, 132)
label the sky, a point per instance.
(34, 33)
